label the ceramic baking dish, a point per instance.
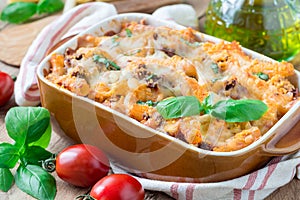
(150, 153)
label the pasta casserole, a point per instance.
(210, 95)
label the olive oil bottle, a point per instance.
(270, 27)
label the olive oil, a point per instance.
(270, 27)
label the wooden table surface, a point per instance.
(66, 191)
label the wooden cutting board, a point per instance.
(16, 39)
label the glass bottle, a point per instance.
(270, 27)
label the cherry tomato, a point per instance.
(118, 187)
(6, 88)
(82, 165)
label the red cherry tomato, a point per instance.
(82, 165)
(6, 88)
(118, 187)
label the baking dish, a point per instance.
(149, 153)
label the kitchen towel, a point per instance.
(256, 185)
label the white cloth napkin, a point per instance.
(256, 185)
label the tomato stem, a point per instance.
(49, 164)
(13, 77)
(85, 197)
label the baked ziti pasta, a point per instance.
(132, 71)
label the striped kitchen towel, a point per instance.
(256, 185)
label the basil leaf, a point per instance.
(181, 106)
(49, 6)
(110, 65)
(114, 41)
(9, 155)
(239, 110)
(262, 76)
(45, 139)
(194, 44)
(27, 124)
(148, 103)
(229, 110)
(35, 155)
(36, 182)
(207, 104)
(18, 12)
(6, 179)
(128, 32)
(215, 68)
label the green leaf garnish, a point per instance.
(6, 179)
(215, 68)
(30, 128)
(44, 139)
(18, 12)
(9, 155)
(148, 103)
(36, 182)
(27, 124)
(262, 76)
(35, 155)
(114, 41)
(181, 106)
(49, 6)
(241, 110)
(215, 80)
(110, 65)
(194, 44)
(131, 53)
(128, 32)
(229, 110)
(206, 105)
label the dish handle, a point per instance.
(286, 140)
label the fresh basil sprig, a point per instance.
(19, 12)
(30, 129)
(229, 110)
